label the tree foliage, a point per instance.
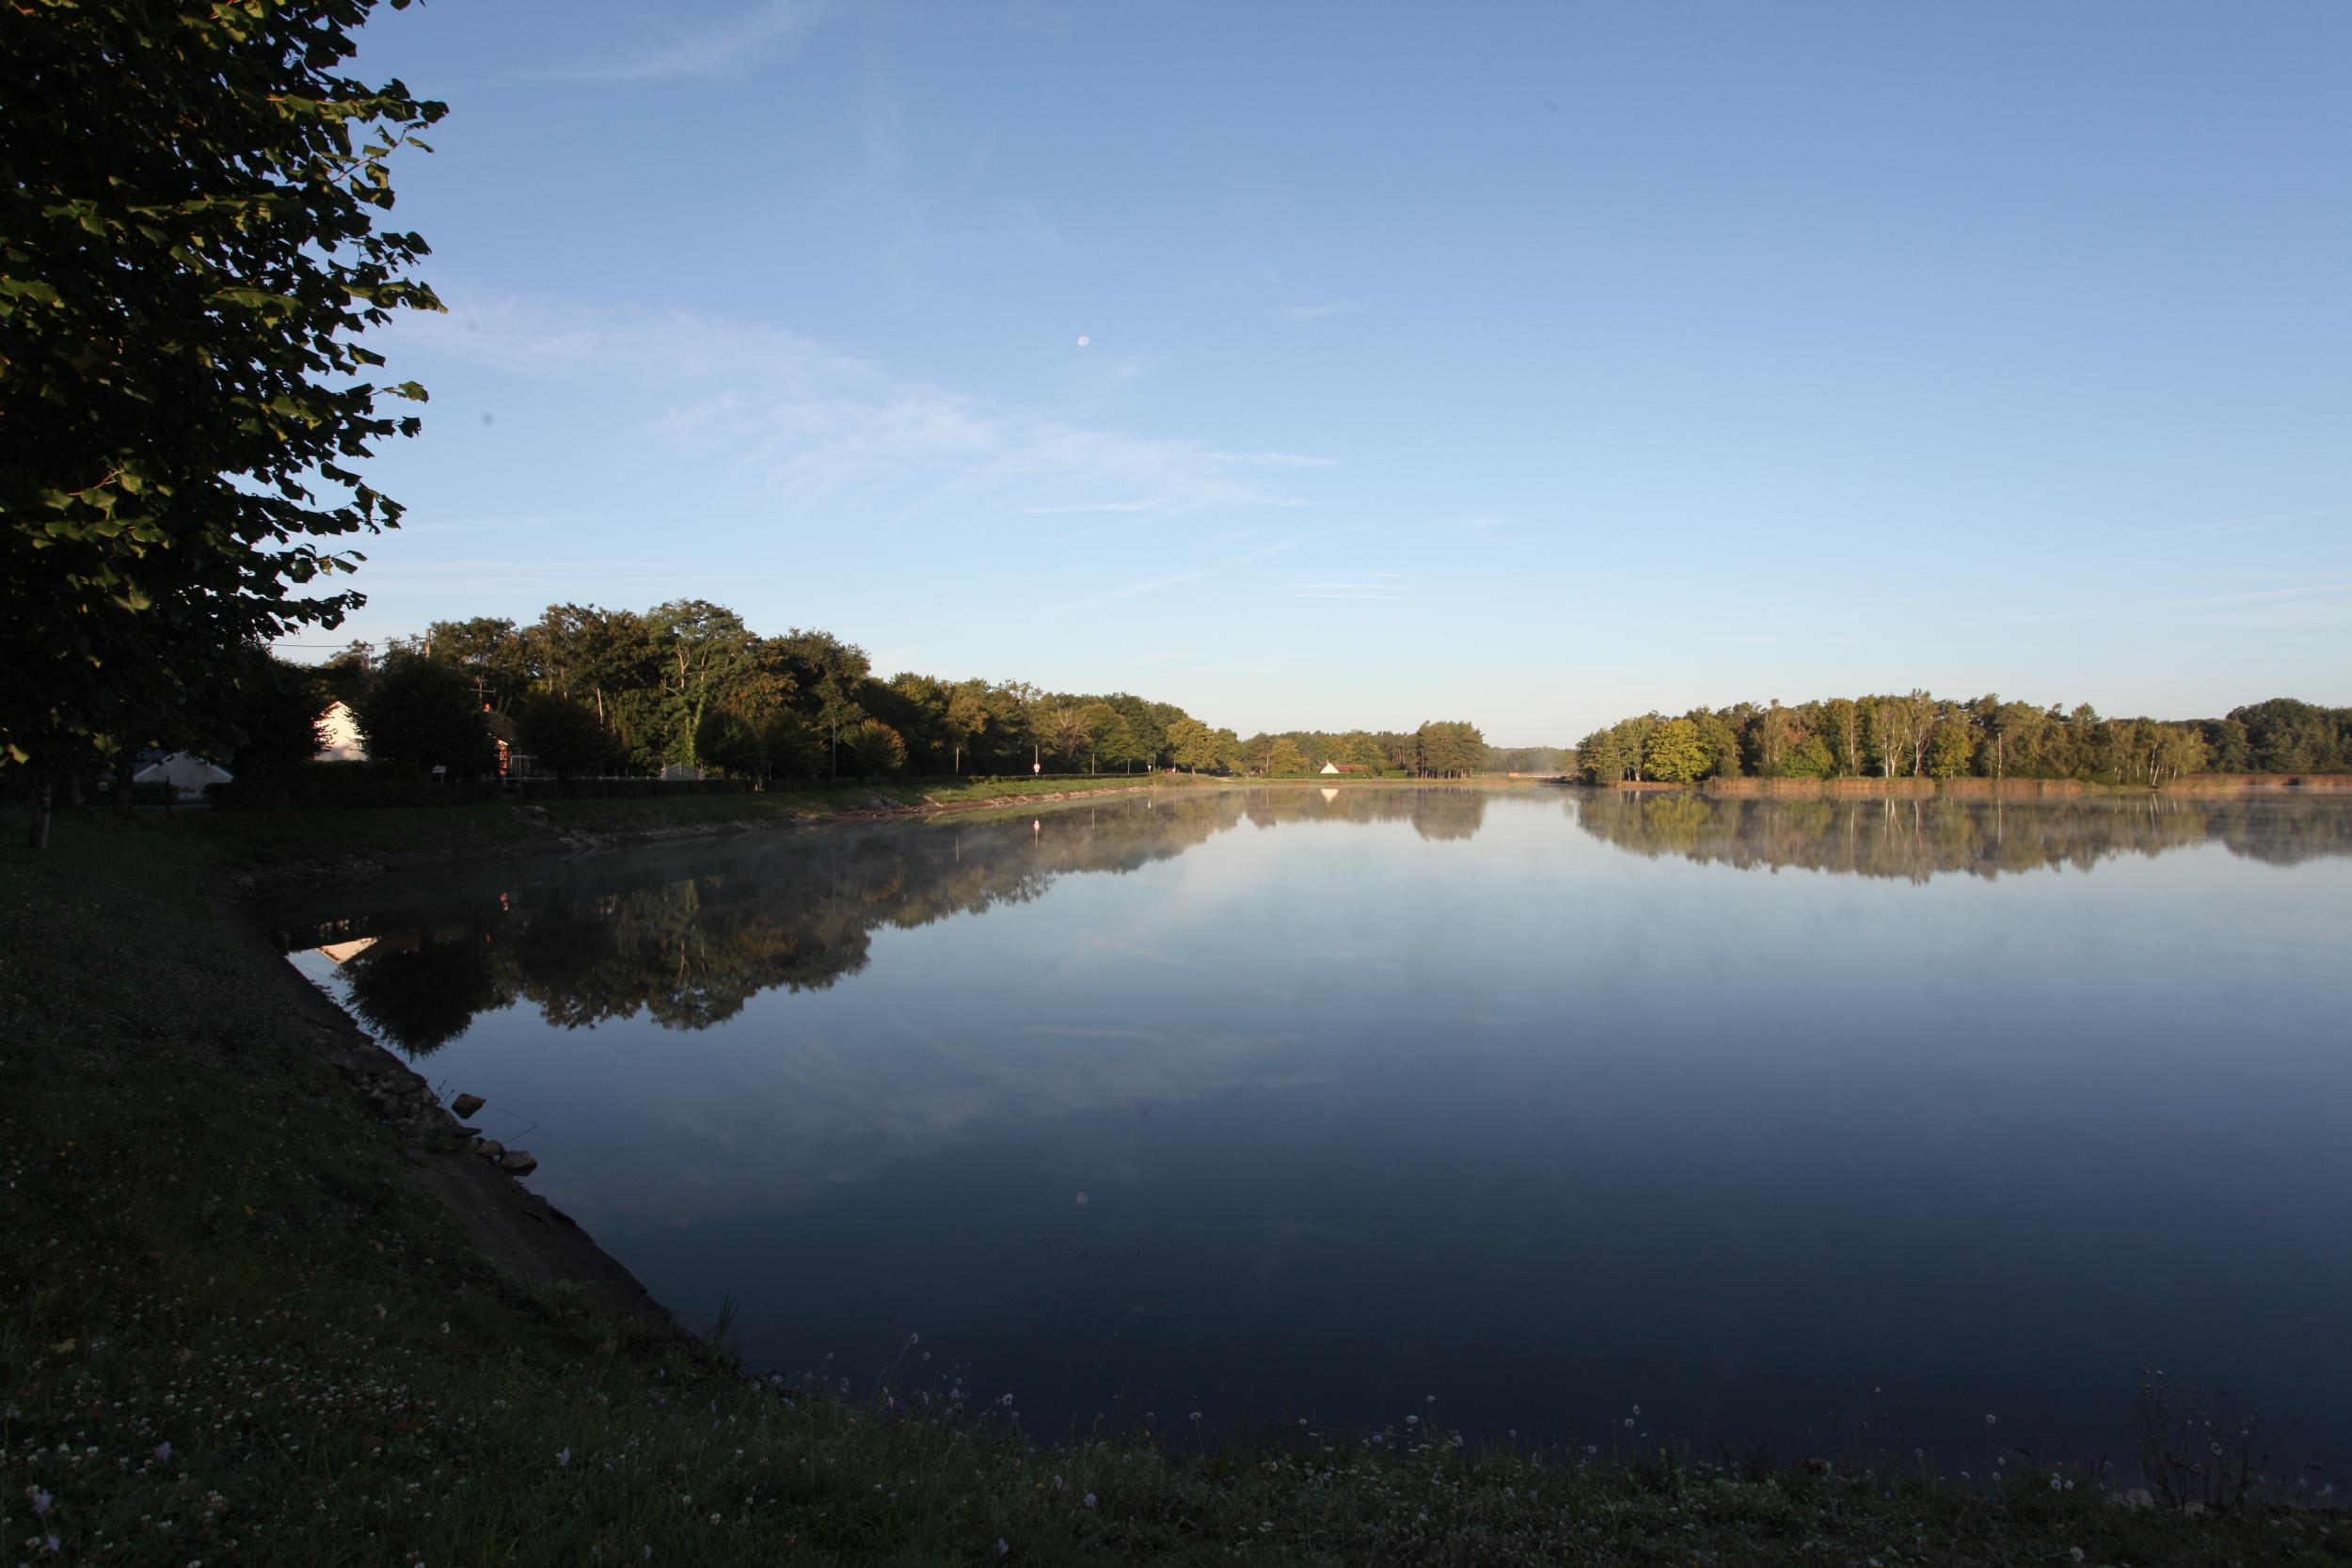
(1674, 753)
(421, 714)
(190, 250)
(562, 735)
(689, 682)
(728, 745)
(789, 747)
(876, 749)
(278, 707)
(1917, 735)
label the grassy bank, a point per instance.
(234, 1330)
(236, 840)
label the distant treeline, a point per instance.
(588, 691)
(1922, 735)
(1438, 750)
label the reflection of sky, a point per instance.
(1547, 1126)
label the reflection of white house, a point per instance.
(339, 736)
(186, 773)
(341, 951)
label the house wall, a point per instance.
(339, 734)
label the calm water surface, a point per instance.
(1773, 1118)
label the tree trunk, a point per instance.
(124, 788)
(39, 837)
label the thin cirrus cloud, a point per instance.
(1154, 504)
(1273, 460)
(785, 422)
(717, 49)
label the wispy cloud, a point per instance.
(1273, 460)
(1153, 505)
(1316, 313)
(715, 49)
(794, 426)
(546, 339)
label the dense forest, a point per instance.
(1442, 749)
(1922, 735)
(585, 691)
(589, 690)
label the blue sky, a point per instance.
(1532, 365)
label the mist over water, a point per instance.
(1814, 1121)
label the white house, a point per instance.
(1329, 767)
(339, 736)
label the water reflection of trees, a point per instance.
(689, 937)
(1919, 838)
(1435, 813)
(424, 993)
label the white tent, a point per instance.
(186, 772)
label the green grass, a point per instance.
(208, 1245)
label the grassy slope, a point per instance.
(208, 1247)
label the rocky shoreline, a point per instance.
(478, 1177)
